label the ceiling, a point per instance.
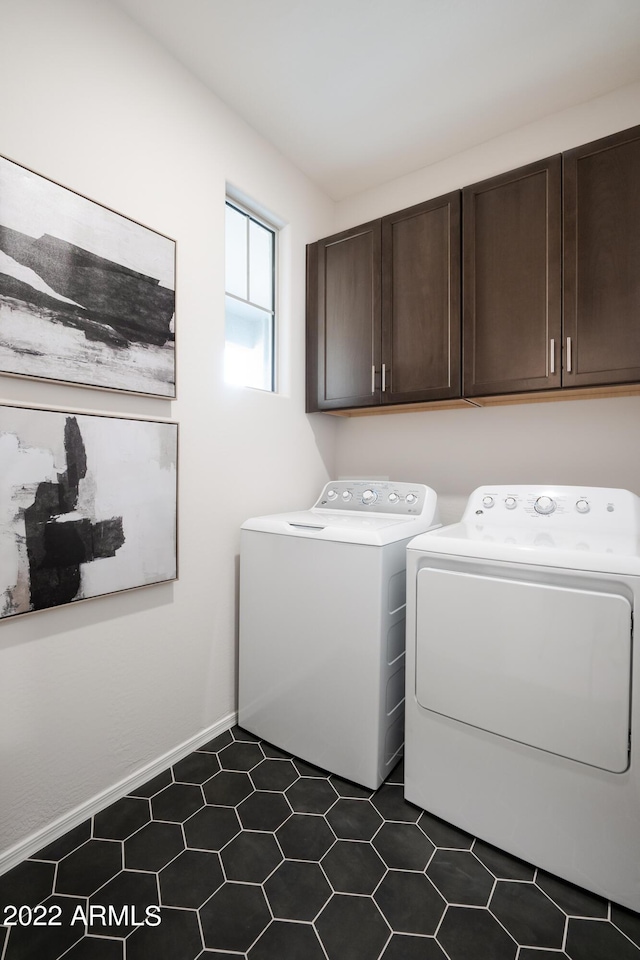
(357, 92)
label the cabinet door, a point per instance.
(343, 319)
(602, 261)
(421, 302)
(512, 281)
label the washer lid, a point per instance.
(341, 527)
(373, 512)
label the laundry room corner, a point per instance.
(95, 693)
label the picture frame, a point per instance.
(88, 506)
(87, 295)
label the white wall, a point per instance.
(583, 442)
(90, 694)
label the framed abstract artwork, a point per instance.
(87, 296)
(88, 506)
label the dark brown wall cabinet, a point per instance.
(343, 319)
(524, 332)
(602, 261)
(512, 269)
(383, 310)
(551, 289)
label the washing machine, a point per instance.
(522, 714)
(322, 625)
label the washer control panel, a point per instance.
(374, 496)
(561, 506)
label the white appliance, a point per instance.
(322, 625)
(521, 726)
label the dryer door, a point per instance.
(541, 664)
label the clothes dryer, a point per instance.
(322, 625)
(522, 715)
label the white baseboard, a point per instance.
(41, 838)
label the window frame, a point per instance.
(253, 216)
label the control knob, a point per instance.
(544, 505)
(510, 503)
(487, 502)
(393, 498)
(332, 494)
(346, 494)
(582, 506)
(369, 496)
(411, 498)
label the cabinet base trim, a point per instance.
(542, 396)
(456, 404)
(567, 393)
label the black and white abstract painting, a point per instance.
(86, 296)
(88, 506)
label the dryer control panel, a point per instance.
(375, 496)
(596, 509)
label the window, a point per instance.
(249, 299)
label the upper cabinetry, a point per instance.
(421, 302)
(343, 319)
(602, 261)
(550, 282)
(383, 310)
(512, 268)
(517, 336)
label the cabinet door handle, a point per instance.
(373, 379)
(384, 377)
(552, 356)
(568, 354)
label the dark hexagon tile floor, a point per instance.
(242, 852)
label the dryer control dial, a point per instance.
(346, 494)
(393, 498)
(510, 503)
(544, 505)
(411, 498)
(487, 502)
(369, 496)
(582, 506)
(332, 494)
